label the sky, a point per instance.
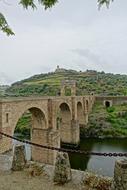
(73, 34)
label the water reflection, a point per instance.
(101, 165)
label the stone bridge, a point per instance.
(54, 120)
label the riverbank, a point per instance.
(21, 180)
(25, 180)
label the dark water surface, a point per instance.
(100, 165)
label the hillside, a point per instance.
(89, 81)
(3, 89)
(102, 122)
(106, 122)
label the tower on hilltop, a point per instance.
(58, 69)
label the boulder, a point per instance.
(19, 158)
(62, 172)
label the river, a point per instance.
(99, 165)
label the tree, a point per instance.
(30, 3)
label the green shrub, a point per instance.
(110, 109)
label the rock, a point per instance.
(120, 175)
(35, 169)
(19, 158)
(62, 172)
(5, 163)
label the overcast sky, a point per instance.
(73, 34)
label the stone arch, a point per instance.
(80, 114)
(38, 133)
(107, 103)
(68, 87)
(60, 105)
(64, 122)
(38, 118)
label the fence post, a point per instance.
(19, 158)
(62, 172)
(120, 175)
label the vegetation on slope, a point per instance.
(87, 82)
(107, 122)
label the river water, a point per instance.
(99, 165)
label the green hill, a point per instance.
(102, 122)
(87, 82)
(3, 89)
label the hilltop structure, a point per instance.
(59, 70)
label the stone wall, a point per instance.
(114, 100)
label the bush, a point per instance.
(110, 109)
(95, 182)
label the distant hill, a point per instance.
(3, 89)
(90, 81)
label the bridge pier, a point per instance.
(46, 137)
(70, 132)
(75, 132)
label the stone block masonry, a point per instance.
(44, 130)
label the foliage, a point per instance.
(110, 109)
(23, 126)
(26, 4)
(102, 2)
(88, 82)
(4, 25)
(105, 123)
(92, 181)
(31, 3)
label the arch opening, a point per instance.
(31, 119)
(23, 126)
(67, 91)
(64, 122)
(28, 127)
(80, 114)
(87, 105)
(107, 104)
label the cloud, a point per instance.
(5, 79)
(86, 59)
(73, 35)
(92, 57)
